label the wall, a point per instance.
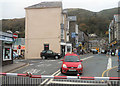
(42, 26)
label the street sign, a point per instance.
(15, 36)
(73, 34)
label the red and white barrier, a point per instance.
(14, 74)
(60, 77)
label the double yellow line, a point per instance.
(108, 71)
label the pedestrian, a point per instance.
(118, 60)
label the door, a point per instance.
(46, 46)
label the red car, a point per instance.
(72, 64)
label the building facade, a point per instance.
(6, 41)
(45, 29)
(114, 32)
(83, 41)
(73, 30)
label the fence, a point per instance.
(14, 79)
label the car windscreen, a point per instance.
(43, 51)
(72, 59)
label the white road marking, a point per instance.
(32, 71)
(87, 58)
(31, 64)
(40, 65)
(52, 79)
(50, 60)
(78, 83)
(43, 72)
(109, 65)
(51, 75)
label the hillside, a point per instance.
(93, 22)
(88, 21)
(14, 25)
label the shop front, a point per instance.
(66, 48)
(7, 51)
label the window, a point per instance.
(68, 48)
(7, 53)
(72, 59)
(49, 52)
(62, 33)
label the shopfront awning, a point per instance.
(62, 43)
(6, 37)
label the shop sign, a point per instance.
(6, 38)
(113, 43)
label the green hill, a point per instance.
(93, 22)
(88, 21)
(14, 25)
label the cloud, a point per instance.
(15, 8)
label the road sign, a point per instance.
(15, 36)
(73, 34)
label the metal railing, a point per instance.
(11, 79)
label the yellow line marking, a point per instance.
(109, 70)
(19, 68)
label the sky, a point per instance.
(10, 9)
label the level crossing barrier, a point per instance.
(37, 80)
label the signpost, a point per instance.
(15, 36)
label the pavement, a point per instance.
(12, 67)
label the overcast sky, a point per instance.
(10, 9)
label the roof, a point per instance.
(46, 5)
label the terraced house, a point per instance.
(46, 28)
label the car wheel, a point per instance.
(43, 57)
(80, 73)
(56, 57)
(61, 70)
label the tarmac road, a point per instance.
(95, 65)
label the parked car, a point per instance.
(71, 64)
(94, 51)
(103, 51)
(49, 54)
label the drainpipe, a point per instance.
(109, 33)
